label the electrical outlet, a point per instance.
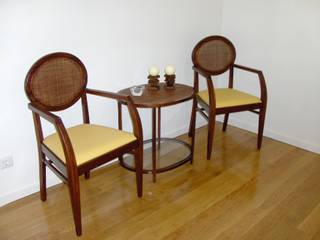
(6, 162)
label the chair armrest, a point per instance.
(134, 115)
(107, 94)
(54, 119)
(263, 87)
(62, 133)
(247, 68)
(201, 72)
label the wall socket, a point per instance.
(6, 162)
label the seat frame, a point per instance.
(209, 111)
(69, 171)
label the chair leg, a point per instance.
(192, 124)
(262, 117)
(225, 122)
(138, 158)
(42, 176)
(120, 158)
(211, 126)
(193, 136)
(87, 175)
(74, 191)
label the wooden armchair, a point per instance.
(54, 83)
(212, 56)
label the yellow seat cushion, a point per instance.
(226, 97)
(89, 141)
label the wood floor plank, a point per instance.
(240, 211)
(286, 213)
(310, 225)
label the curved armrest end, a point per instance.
(263, 87)
(62, 133)
(134, 115)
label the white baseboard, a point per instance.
(33, 188)
(309, 146)
(23, 192)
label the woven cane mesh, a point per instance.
(215, 55)
(57, 82)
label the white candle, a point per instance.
(170, 70)
(154, 71)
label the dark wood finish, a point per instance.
(159, 127)
(47, 89)
(153, 83)
(162, 98)
(194, 105)
(42, 166)
(221, 64)
(170, 80)
(86, 119)
(69, 171)
(155, 100)
(119, 115)
(214, 55)
(212, 115)
(85, 110)
(230, 85)
(154, 139)
(120, 124)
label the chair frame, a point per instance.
(69, 172)
(209, 112)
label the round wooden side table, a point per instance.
(156, 99)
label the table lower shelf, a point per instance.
(170, 154)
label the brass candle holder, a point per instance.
(153, 83)
(170, 80)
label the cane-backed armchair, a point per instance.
(213, 56)
(54, 83)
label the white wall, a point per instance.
(117, 40)
(283, 39)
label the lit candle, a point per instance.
(170, 70)
(154, 71)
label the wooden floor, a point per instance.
(241, 193)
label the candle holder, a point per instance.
(170, 80)
(153, 83)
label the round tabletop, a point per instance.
(162, 97)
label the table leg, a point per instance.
(159, 128)
(120, 125)
(193, 126)
(154, 160)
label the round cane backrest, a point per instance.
(56, 81)
(214, 54)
